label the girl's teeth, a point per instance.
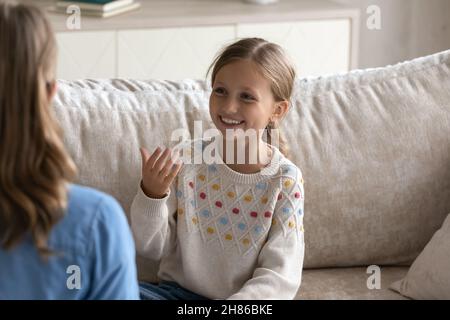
(230, 121)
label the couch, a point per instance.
(373, 146)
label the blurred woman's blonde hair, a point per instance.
(35, 168)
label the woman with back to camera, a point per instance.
(57, 240)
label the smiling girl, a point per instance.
(228, 230)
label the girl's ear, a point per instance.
(51, 89)
(281, 108)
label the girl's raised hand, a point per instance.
(158, 171)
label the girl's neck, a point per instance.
(256, 157)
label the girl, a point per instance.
(228, 230)
(57, 240)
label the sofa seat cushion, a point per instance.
(348, 284)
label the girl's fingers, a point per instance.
(173, 173)
(151, 161)
(144, 156)
(161, 162)
(169, 164)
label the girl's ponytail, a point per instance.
(281, 143)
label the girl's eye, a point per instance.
(247, 96)
(220, 91)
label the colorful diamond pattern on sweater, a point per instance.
(238, 217)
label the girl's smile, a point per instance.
(232, 123)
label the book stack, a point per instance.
(99, 8)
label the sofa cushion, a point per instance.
(373, 146)
(349, 284)
(429, 275)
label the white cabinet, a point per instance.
(170, 53)
(176, 39)
(316, 47)
(90, 54)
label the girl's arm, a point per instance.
(154, 208)
(279, 268)
(153, 224)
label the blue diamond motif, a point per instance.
(258, 229)
(205, 213)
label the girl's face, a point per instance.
(241, 98)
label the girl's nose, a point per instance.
(230, 106)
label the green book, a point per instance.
(98, 5)
(92, 1)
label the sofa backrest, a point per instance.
(373, 146)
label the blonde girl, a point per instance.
(228, 230)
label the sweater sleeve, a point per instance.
(279, 266)
(153, 222)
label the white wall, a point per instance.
(409, 29)
(431, 26)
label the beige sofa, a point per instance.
(373, 146)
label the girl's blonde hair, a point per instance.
(34, 166)
(274, 66)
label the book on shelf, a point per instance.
(100, 13)
(95, 5)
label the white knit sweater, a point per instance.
(227, 235)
